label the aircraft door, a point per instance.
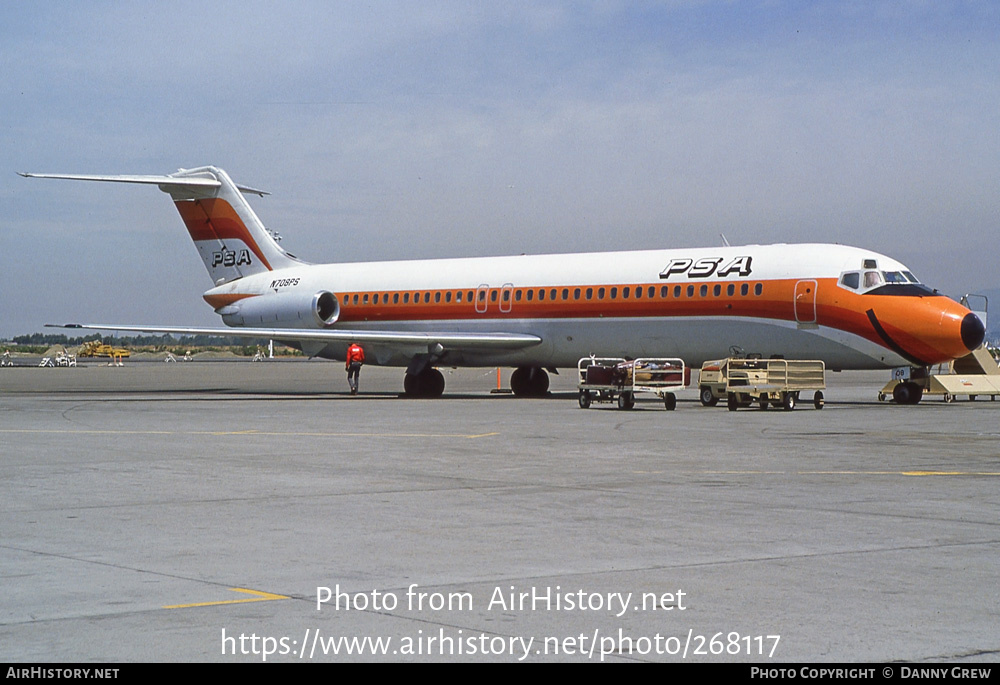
(805, 302)
(481, 302)
(506, 297)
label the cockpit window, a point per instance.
(894, 277)
(875, 282)
(851, 280)
(872, 279)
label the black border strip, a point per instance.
(892, 344)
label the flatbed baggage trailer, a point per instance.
(741, 381)
(611, 379)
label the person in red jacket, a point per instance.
(355, 358)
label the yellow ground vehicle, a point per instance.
(768, 381)
(96, 348)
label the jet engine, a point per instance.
(284, 310)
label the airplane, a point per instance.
(848, 306)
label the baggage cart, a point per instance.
(741, 381)
(615, 379)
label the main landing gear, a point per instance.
(526, 381)
(426, 383)
(529, 381)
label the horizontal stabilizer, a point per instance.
(157, 180)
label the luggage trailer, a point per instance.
(615, 379)
(741, 381)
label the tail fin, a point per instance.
(230, 238)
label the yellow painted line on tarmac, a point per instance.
(296, 434)
(856, 473)
(258, 597)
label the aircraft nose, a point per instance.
(973, 331)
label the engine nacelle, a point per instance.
(284, 310)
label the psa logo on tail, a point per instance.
(226, 257)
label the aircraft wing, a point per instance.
(448, 340)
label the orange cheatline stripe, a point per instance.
(834, 307)
(221, 300)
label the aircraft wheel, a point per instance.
(427, 383)
(818, 401)
(707, 397)
(529, 381)
(901, 393)
(539, 382)
(585, 399)
(788, 401)
(670, 401)
(433, 383)
(907, 393)
(519, 381)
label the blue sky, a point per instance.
(404, 130)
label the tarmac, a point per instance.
(249, 512)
